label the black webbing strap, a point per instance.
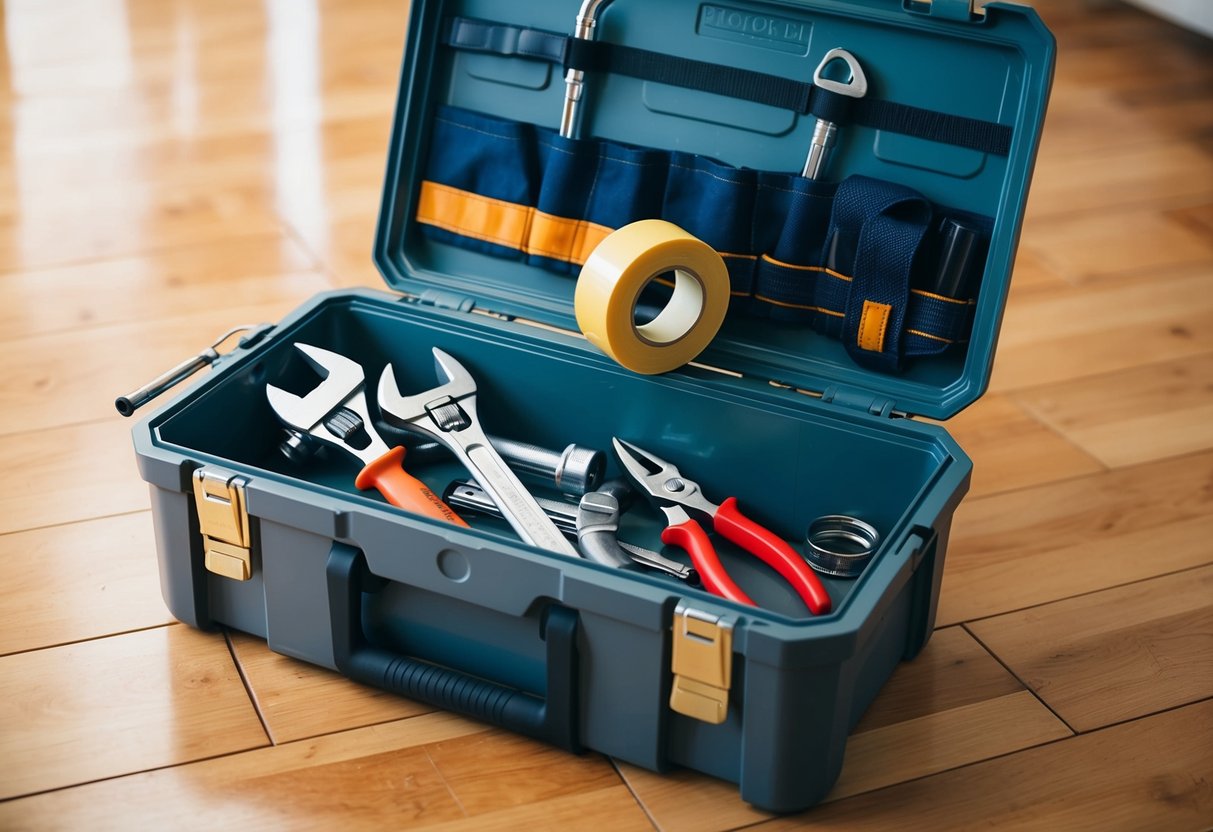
(746, 84)
(733, 82)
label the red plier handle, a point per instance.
(774, 551)
(755, 539)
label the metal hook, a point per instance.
(855, 87)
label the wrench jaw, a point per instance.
(431, 412)
(447, 413)
(342, 386)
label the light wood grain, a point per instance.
(359, 779)
(897, 753)
(1090, 245)
(67, 474)
(952, 706)
(494, 770)
(117, 705)
(611, 808)
(256, 271)
(105, 582)
(1011, 450)
(297, 700)
(1133, 416)
(49, 381)
(363, 779)
(1153, 174)
(174, 165)
(1113, 655)
(1068, 333)
(1043, 544)
(134, 219)
(1153, 773)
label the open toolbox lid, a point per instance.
(994, 66)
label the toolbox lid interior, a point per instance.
(995, 66)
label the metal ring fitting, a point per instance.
(840, 545)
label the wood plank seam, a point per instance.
(77, 521)
(1019, 678)
(1068, 441)
(248, 687)
(628, 785)
(1110, 374)
(1072, 595)
(446, 784)
(98, 637)
(321, 264)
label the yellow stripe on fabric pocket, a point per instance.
(461, 212)
(873, 322)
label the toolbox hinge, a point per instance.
(702, 664)
(223, 521)
(967, 11)
(860, 400)
(443, 299)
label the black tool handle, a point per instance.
(552, 719)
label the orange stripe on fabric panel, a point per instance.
(926, 294)
(473, 215)
(787, 305)
(799, 268)
(929, 335)
(564, 239)
(873, 323)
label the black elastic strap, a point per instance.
(733, 82)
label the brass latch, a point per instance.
(702, 663)
(223, 521)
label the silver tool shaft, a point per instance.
(447, 414)
(825, 132)
(575, 470)
(468, 496)
(574, 79)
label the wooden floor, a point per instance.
(176, 167)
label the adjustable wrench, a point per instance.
(335, 412)
(447, 414)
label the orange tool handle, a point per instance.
(774, 551)
(402, 489)
(691, 537)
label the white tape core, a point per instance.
(681, 312)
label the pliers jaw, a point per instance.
(678, 498)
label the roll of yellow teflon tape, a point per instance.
(617, 271)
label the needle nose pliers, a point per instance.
(678, 497)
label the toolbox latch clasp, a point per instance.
(224, 523)
(971, 11)
(702, 664)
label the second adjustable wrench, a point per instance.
(447, 414)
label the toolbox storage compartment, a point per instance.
(474, 601)
(780, 415)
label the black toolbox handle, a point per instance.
(553, 719)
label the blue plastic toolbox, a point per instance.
(700, 114)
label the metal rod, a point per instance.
(574, 79)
